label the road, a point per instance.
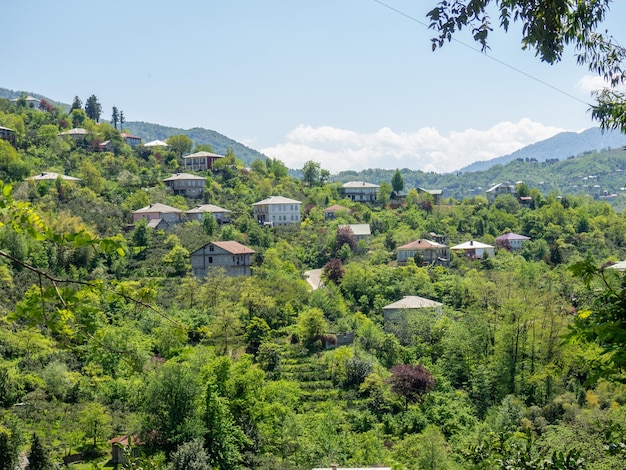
(314, 279)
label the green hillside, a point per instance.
(109, 335)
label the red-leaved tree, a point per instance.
(411, 382)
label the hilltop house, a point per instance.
(186, 184)
(229, 255)
(77, 133)
(30, 101)
(7, 134)
(222, 216)
(398, 314)
(437, 194)
(131, 140)
(511, 241)
(277, 210)
(159, 215)
(430, 252)
(359, 191)
(500, 189)
(474, 249)
(200, 161)
(331, 212)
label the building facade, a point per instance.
(277, 210)
(186, 184)
(430, 252)
(231, 256)
(359, 191)
(200, 161)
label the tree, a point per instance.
(190, 456)
(9, 446)
(122, 120)
(93, 108)
(411, 382)
(547, 27)
(311, 173)
(180, 144)
(38, 457)
(95, 423)
(333, 271)
(397, 182)
(345, 236)
(115, 117)
(223, 440)
(76, 104)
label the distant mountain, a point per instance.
(560, 146)
(219, 142)
(149, 132)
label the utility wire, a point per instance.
(501, 62)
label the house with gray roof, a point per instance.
(201, 161)
(277, 210)
(222, 216)
(186, 184)
(359, 191)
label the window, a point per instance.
(210, 260)
(211, 248)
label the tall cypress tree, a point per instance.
(38, 458)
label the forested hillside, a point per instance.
(105, 332)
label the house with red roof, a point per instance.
(231, 256)
(430, 252)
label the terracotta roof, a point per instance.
(421, 244)
(162, 208)
(129, 136)
(234, 247)
(335, 208)
(413, 301)
(123, 441)
(276, 200)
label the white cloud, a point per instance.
(425, 149)
(590, 83)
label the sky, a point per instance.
(351, 84)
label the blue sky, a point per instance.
(348, 83)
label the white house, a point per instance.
(474, 249)
(231, 256)
(500, 189)
(359, 191)
(159, 215)
(277, 210)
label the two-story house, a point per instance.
(7, 134)
(222, 216)
(511, 241)
(131, 140)
(200, 161)
(186, 184)
(331, 212)
(159, 215)
(231, 256)
(277, 210)
(500, 189)
(430, 252)
(359, 191)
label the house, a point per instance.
(30, 101)
(397, 314)
(331, 212)
(7, 134)
(511, 241)
(430, 252)
(437, 194)
(120, 444)
(474, 249)
(359, 191)
(500, 189)
(277, 210)
(361, 231)
(222, 216)
(229, 255)
(51, 176)
(159, 215)
(186, 184)
(131, 140)
(200, 161)
(77, 133)
(156, 143)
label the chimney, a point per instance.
(471, 242)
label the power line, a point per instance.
(501, 62)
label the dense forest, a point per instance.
(105, 333)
